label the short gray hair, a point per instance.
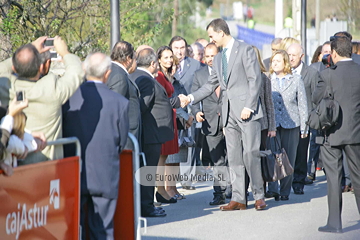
(45, 56)
(146, 57)
(97, 64)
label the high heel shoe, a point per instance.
(161, 199)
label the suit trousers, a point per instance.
(300, 169)
(96, 217)
(332, 159)
(289, 140)
(152, 154)
(205, 154)
(243, 149)
(188, 168)
(217, 149)
(346, 180)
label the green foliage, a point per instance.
(85, 24)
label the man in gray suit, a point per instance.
(345, 135)
(212, 125)
(122, 57)
(310, 78)
(237, 71)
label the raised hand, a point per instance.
(15, 107)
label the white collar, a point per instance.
(229, 47)
(120, 65)
(145, 70)
(230, 44)
(346, 59)
(209, 69)
(299, 68)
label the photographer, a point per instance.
(46, 94)
(344, 137)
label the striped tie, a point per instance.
(224, 64)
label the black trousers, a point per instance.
(217, 149)
(300, 167)
(152, 154)
(332, 157)
(205, 154)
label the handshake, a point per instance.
(184, 100)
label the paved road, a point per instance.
(298, 218)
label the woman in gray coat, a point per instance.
(291, 113)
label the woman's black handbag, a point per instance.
(275, 164)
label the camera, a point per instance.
(49, 42)
(20, 96)
(327, 60)
(54, 56)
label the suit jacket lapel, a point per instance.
(185, 67)
(206, 76)
(136, 87)
(304, 72)
(232, 58)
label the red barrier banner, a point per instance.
(124, 219)
(41, 201)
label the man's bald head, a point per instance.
(142, 47)
(296, 53)
(202, 41)
(210, 52)
(97, 66)
(27, 61)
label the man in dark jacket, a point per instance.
(345, 135)
(98, 117)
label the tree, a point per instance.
(85, 24)
(351, 9)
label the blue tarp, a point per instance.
(253, 37)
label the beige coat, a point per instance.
(46, 96)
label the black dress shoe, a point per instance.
(155, 213)
(159, 209)
(327, 228)
(218, 200)
(298, 191)
(284, 198)
(274, 195)
(308, 181)
(161, 199)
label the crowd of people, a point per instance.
(220, 94)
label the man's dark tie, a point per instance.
(224, 64)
